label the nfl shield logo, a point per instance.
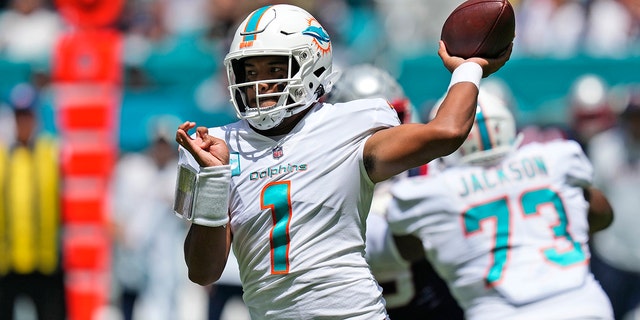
(277, 152)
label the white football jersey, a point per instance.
(510, 240)
(391, 271)
(298, 207)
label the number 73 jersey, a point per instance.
(516, 231)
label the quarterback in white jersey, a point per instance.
(507, 228)
(290, 184)
(282, 225)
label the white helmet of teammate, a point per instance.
(280, 30)
(367, 81)
(493, 134)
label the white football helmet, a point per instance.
(493, 134)
(280, 30)
(367, 81)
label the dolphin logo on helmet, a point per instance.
(317, 33)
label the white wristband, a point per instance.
(466, 72)
(203, 198)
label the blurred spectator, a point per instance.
(185, 16)
(411, 26)
(29, 31)
(30, 221)
(615, 154)
(222, 16)
(7, 125)
(589, 108)
(633, 6)
(148, 269)
(357, 32)
(551, 28)
(609, 29)
(143, 25)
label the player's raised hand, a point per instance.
(207, 150)
(489, 65)
(450, 62)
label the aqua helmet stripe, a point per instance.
(485, 138)
(252, 24)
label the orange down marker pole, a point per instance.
(87, 79)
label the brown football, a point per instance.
(479, 28)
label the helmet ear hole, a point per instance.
(295, 67)
(319, 72)
(240, 99)
(238, 70)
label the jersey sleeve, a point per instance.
(572, 162)
(414, 203)
(367, 115)
(387, 115)
(381, 251)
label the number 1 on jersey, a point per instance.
(276, 197)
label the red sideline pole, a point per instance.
(87, 79)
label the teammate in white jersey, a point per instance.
(412, 290)
(290, 184)
(507, 227)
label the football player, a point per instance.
(507, 226)
(290, 184)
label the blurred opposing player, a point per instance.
(411, 290)
(507, 227)
(590, 109)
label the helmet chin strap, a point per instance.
(274, 119)
(267, 121)
(299, 108)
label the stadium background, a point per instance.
(172, 51)
(175, 74)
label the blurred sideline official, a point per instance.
(30, 223)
